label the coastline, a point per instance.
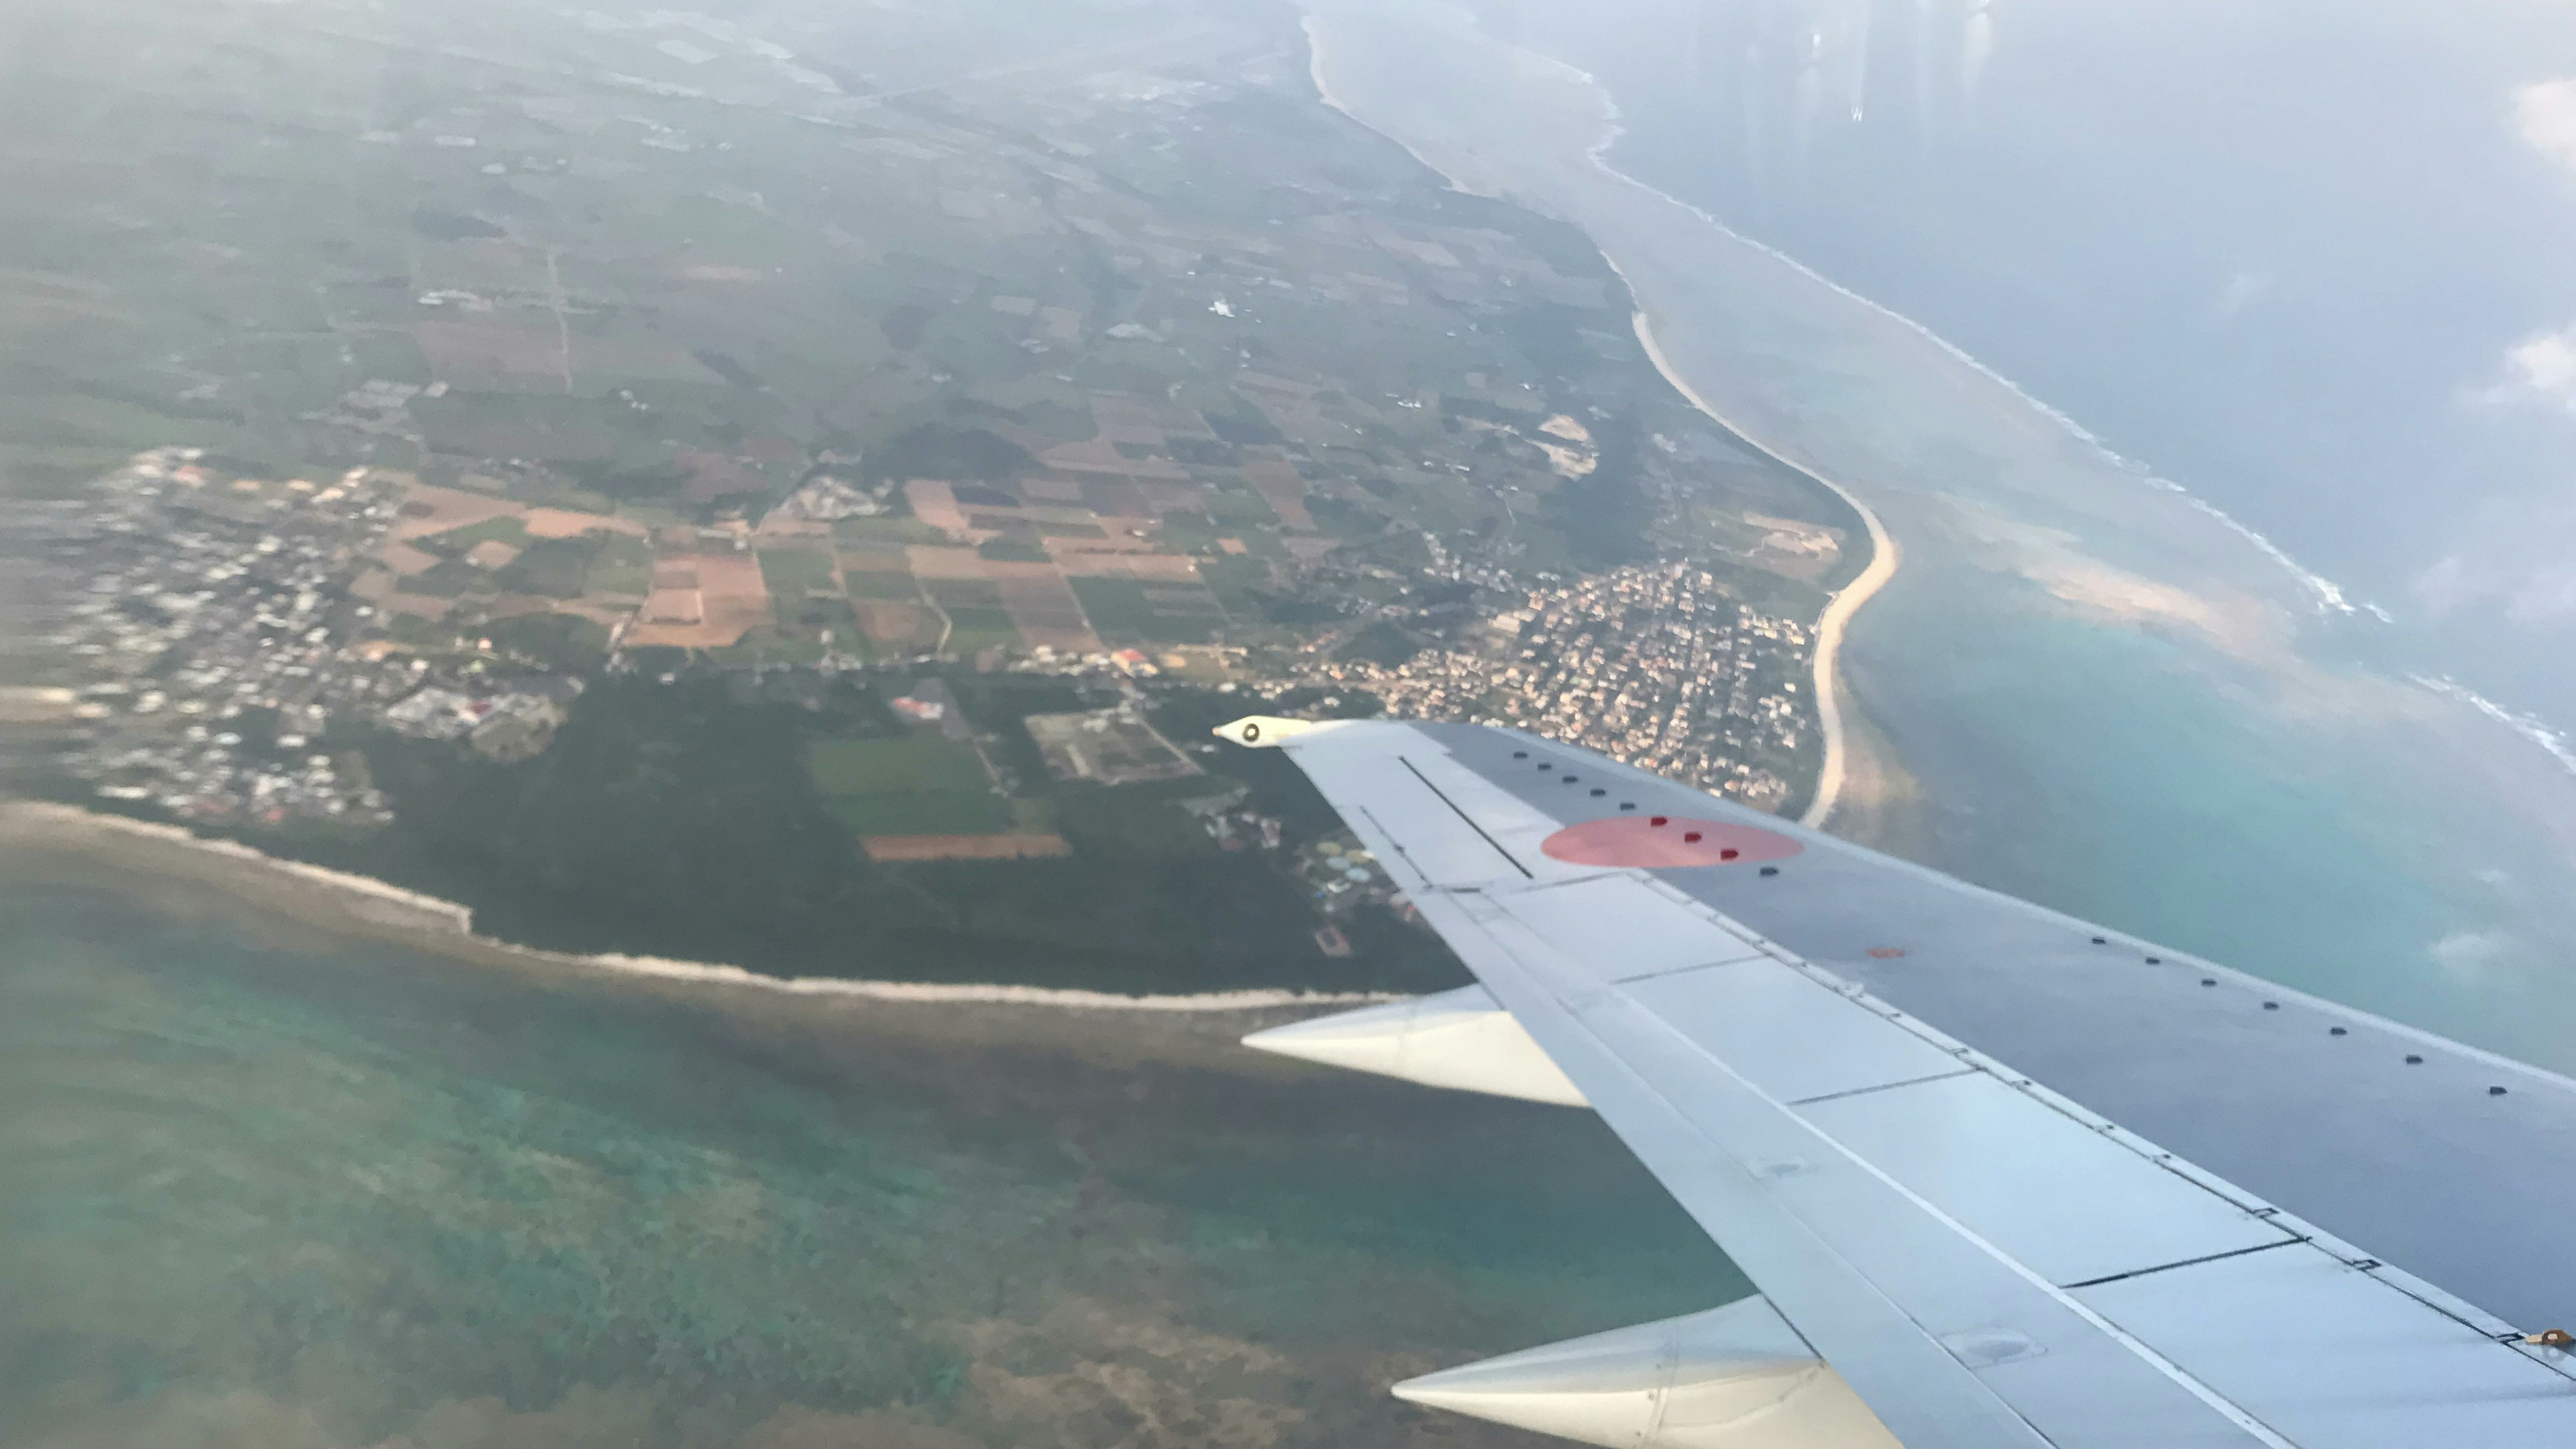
(1836, 771)
(341, 902)
(1312, 24)
(1884, 557)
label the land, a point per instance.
(672, 486)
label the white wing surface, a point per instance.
(2002, 1178)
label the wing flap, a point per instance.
(2067, 1202)
(1917, 1317)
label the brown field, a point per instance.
(1061, 545)
(895, 623)
(673, 606)
(1267, 383)
(934, 503)
(1303, 422)
(1099, 455)
(635, 360)
(402, 558)
(731, 600)
(1102, 564)
(1125, 419)
(713, 476)
(446, 508)
(929, 561)
(1173, 497)
(565, 523)
(420, 604)
(1019, 846)
(1053, 490)
(1283, 490)
(883, 558)
(1115, 499)
(781, 530)
(486, 347)
(1042, 607)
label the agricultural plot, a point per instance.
(919, 784)
(1131, 611)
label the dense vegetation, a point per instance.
(683, 820)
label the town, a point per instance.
(1652, 665)
(223, 628)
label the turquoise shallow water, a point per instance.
(2131, 778)
(293, 1194)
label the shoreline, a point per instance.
(1845, 602)
(317, 896)
(1312, 24)
(1884, 556)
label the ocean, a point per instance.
(268, 1186)
(2101, 693)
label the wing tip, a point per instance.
(1264, 731)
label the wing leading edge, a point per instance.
(1981, 1259)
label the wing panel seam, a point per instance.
(1850, 1092)
(2146, 1353)
(2183, 1263)
(1440, 795)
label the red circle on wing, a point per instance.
(1625, 840)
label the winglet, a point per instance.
(1261, 731)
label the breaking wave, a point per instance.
(2530, 727)
(2329, 596)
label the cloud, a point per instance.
(2547, 595)
(2515, 558)
(2546, 113)
(2542, 368)
(2241, 291)
(2469, 953)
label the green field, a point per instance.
(920, 784)
(1122, 612)
(973, 593)
(505, 529)
(558, 567)
(790, 572)
(975, 627)
(880, 584)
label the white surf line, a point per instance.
(1883, 552)
(458, 919)
(1846, 601)
(2530, 727)
(1324, 91)
(2328, 595)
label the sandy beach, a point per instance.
(1837, 773)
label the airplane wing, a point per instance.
(2001, 1177)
